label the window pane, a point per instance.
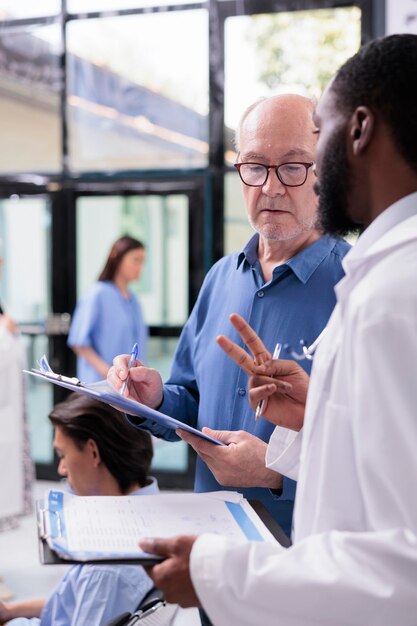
(168, 456)
(39, 401)
(30, 79)
(25, 289)
(294, 52)
(284, 52)
(18, 9)
(161, 223)
(84, 6)
(141, 103)
(25, 280)
(237, 230)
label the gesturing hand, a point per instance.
(281, 385)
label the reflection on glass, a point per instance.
(282, 52)
(39, 402)
(17, 9)
(116, 5)
(25, 281)
(237, 230)
(25, 289)
(129, 110)
(168, 456)
(30, 80)
(161, 223)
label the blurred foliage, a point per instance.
(304, 48)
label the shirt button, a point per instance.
(261, 294)
(242, 391)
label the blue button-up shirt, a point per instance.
(205, 387)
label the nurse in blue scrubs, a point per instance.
(108, 320)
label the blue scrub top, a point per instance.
(205, 387)
(110, 324)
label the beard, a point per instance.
(334, 188)
(276, 232)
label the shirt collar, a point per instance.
(383, 224)
(249, 252)
(302, 264)
(147, 490)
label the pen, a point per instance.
(133, 357)
(260, 403)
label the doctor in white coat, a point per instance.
(354, 553)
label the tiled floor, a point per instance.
(26, 578)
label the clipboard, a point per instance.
(48, 556)
(104, 392)
(243, 521)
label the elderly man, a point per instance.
(354, 557)
(282, 282)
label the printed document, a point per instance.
(84, 528)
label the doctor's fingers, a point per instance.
(173, 576)
(261, 393)
(283, 369)
(251, 339)
(237, 354)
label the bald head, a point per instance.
(278, 133)
(282, 108)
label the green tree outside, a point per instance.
(304, 47)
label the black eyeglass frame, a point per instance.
(307, 166)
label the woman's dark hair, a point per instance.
(120, 247)
(382, 76)
(125, 451)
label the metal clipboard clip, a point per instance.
(307, 352)
(65, 379)
(42, 524)
(47, 370)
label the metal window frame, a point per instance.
(205, 187)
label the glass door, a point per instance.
(169, 226)
(25, 287)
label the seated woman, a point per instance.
(100, 454)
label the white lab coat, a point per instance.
(354, 558)
(11, 425)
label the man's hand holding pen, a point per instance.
(144, 384)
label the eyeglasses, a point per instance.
(290, 174)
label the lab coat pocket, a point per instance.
(325, 357)
(339, 483)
